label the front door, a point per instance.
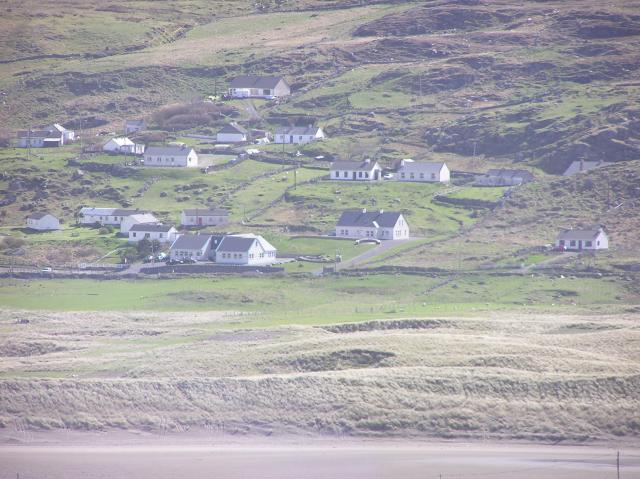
(199, 221)
(354, 175)
(579, 244)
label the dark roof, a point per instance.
(297, 130)
(37, 216)
(364, 218)
(191, 242)
(577, 234)
(123, 212)
(255, 81)
(233, 128)
(206, 212)
(235, 243)
(509, 173)
(155, 228)
(175, 150)
(353, 165)
(39, 134)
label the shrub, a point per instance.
(10, 242)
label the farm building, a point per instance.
(171, 155)
(131, 126)
(195, 247)
(46, 137)
(137, 219)
(204, 217)
(105, 216)
(232, 133)
(299, 134)
(422, 171)
(246, 86)
(245, 250)
(582, 239)
(504, 177)
(161, 233)
(42, 222)
(366, 170)
(123, 145)
(382, 225)
(581, 166)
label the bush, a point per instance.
(103, 231)
(10, 242)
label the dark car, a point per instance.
(188, 261)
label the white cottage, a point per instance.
(299, 134)
(366, 170)
(269, 87)
(42, 222)
(232, 133)
(422, 171)
(161, 233)
(245, 250)
(195, 247)
(123, 145)
(382, 225)
(105, 216)
(204, 217)
(171, 155)
(582, 239)
(137, 219)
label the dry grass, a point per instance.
(531, 376)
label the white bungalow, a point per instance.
(204, 217)
(42, 222)
(246, 86)
(232, 133)
(299, 134)
(137, 219)
(582, 239)
(161, 233)
(422, 171)
(366, 170)
(195, 247)
(245, 250)
(105, 216)
(382, 225)
(123, 145)
(171, 155)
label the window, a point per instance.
(411, 175)
(346, 173)
(134, 234)
(433, 176)
(337, 174)
(422, 176)
(360, 174)
(573, 242)
(147, 235)
(402, 175)
(588, 244)
(366, 174)
(161, 235)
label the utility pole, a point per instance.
(618, 464)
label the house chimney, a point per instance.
(364, 210)
(367, 161)
(381, 211)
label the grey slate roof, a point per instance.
(255, 81)
(39, 134)
(37, 216)
(151, 228)
(233, 128)
(168, 150)
(363, 218)
(124, 212)
(421, 167)
(206, 212)
(353, 165)
(297, 130)
(235, 244)
(193, 242)
(579, 234)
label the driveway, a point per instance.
(372, 253)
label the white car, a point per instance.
(46, 270)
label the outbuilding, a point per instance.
(42, 221)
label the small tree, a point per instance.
(128, 254)
(144, 247)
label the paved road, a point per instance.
(372, 253)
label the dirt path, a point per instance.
(231, 458)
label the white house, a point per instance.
(68, 136)
(40, 138)
(123, 145)
(582, 239)
(171, 155)
(105, 216)
(366, 170)
(382, 225)
(299, 134)
(422, 171)
(161, 233)
(42, 222)
(131, 126)
(246, 86)
(232, 133)
(204, 217)
(136, 219)
(245, 250)
(195, 247)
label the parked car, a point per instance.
(161, 256)
(148, 259)
(46, 270)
